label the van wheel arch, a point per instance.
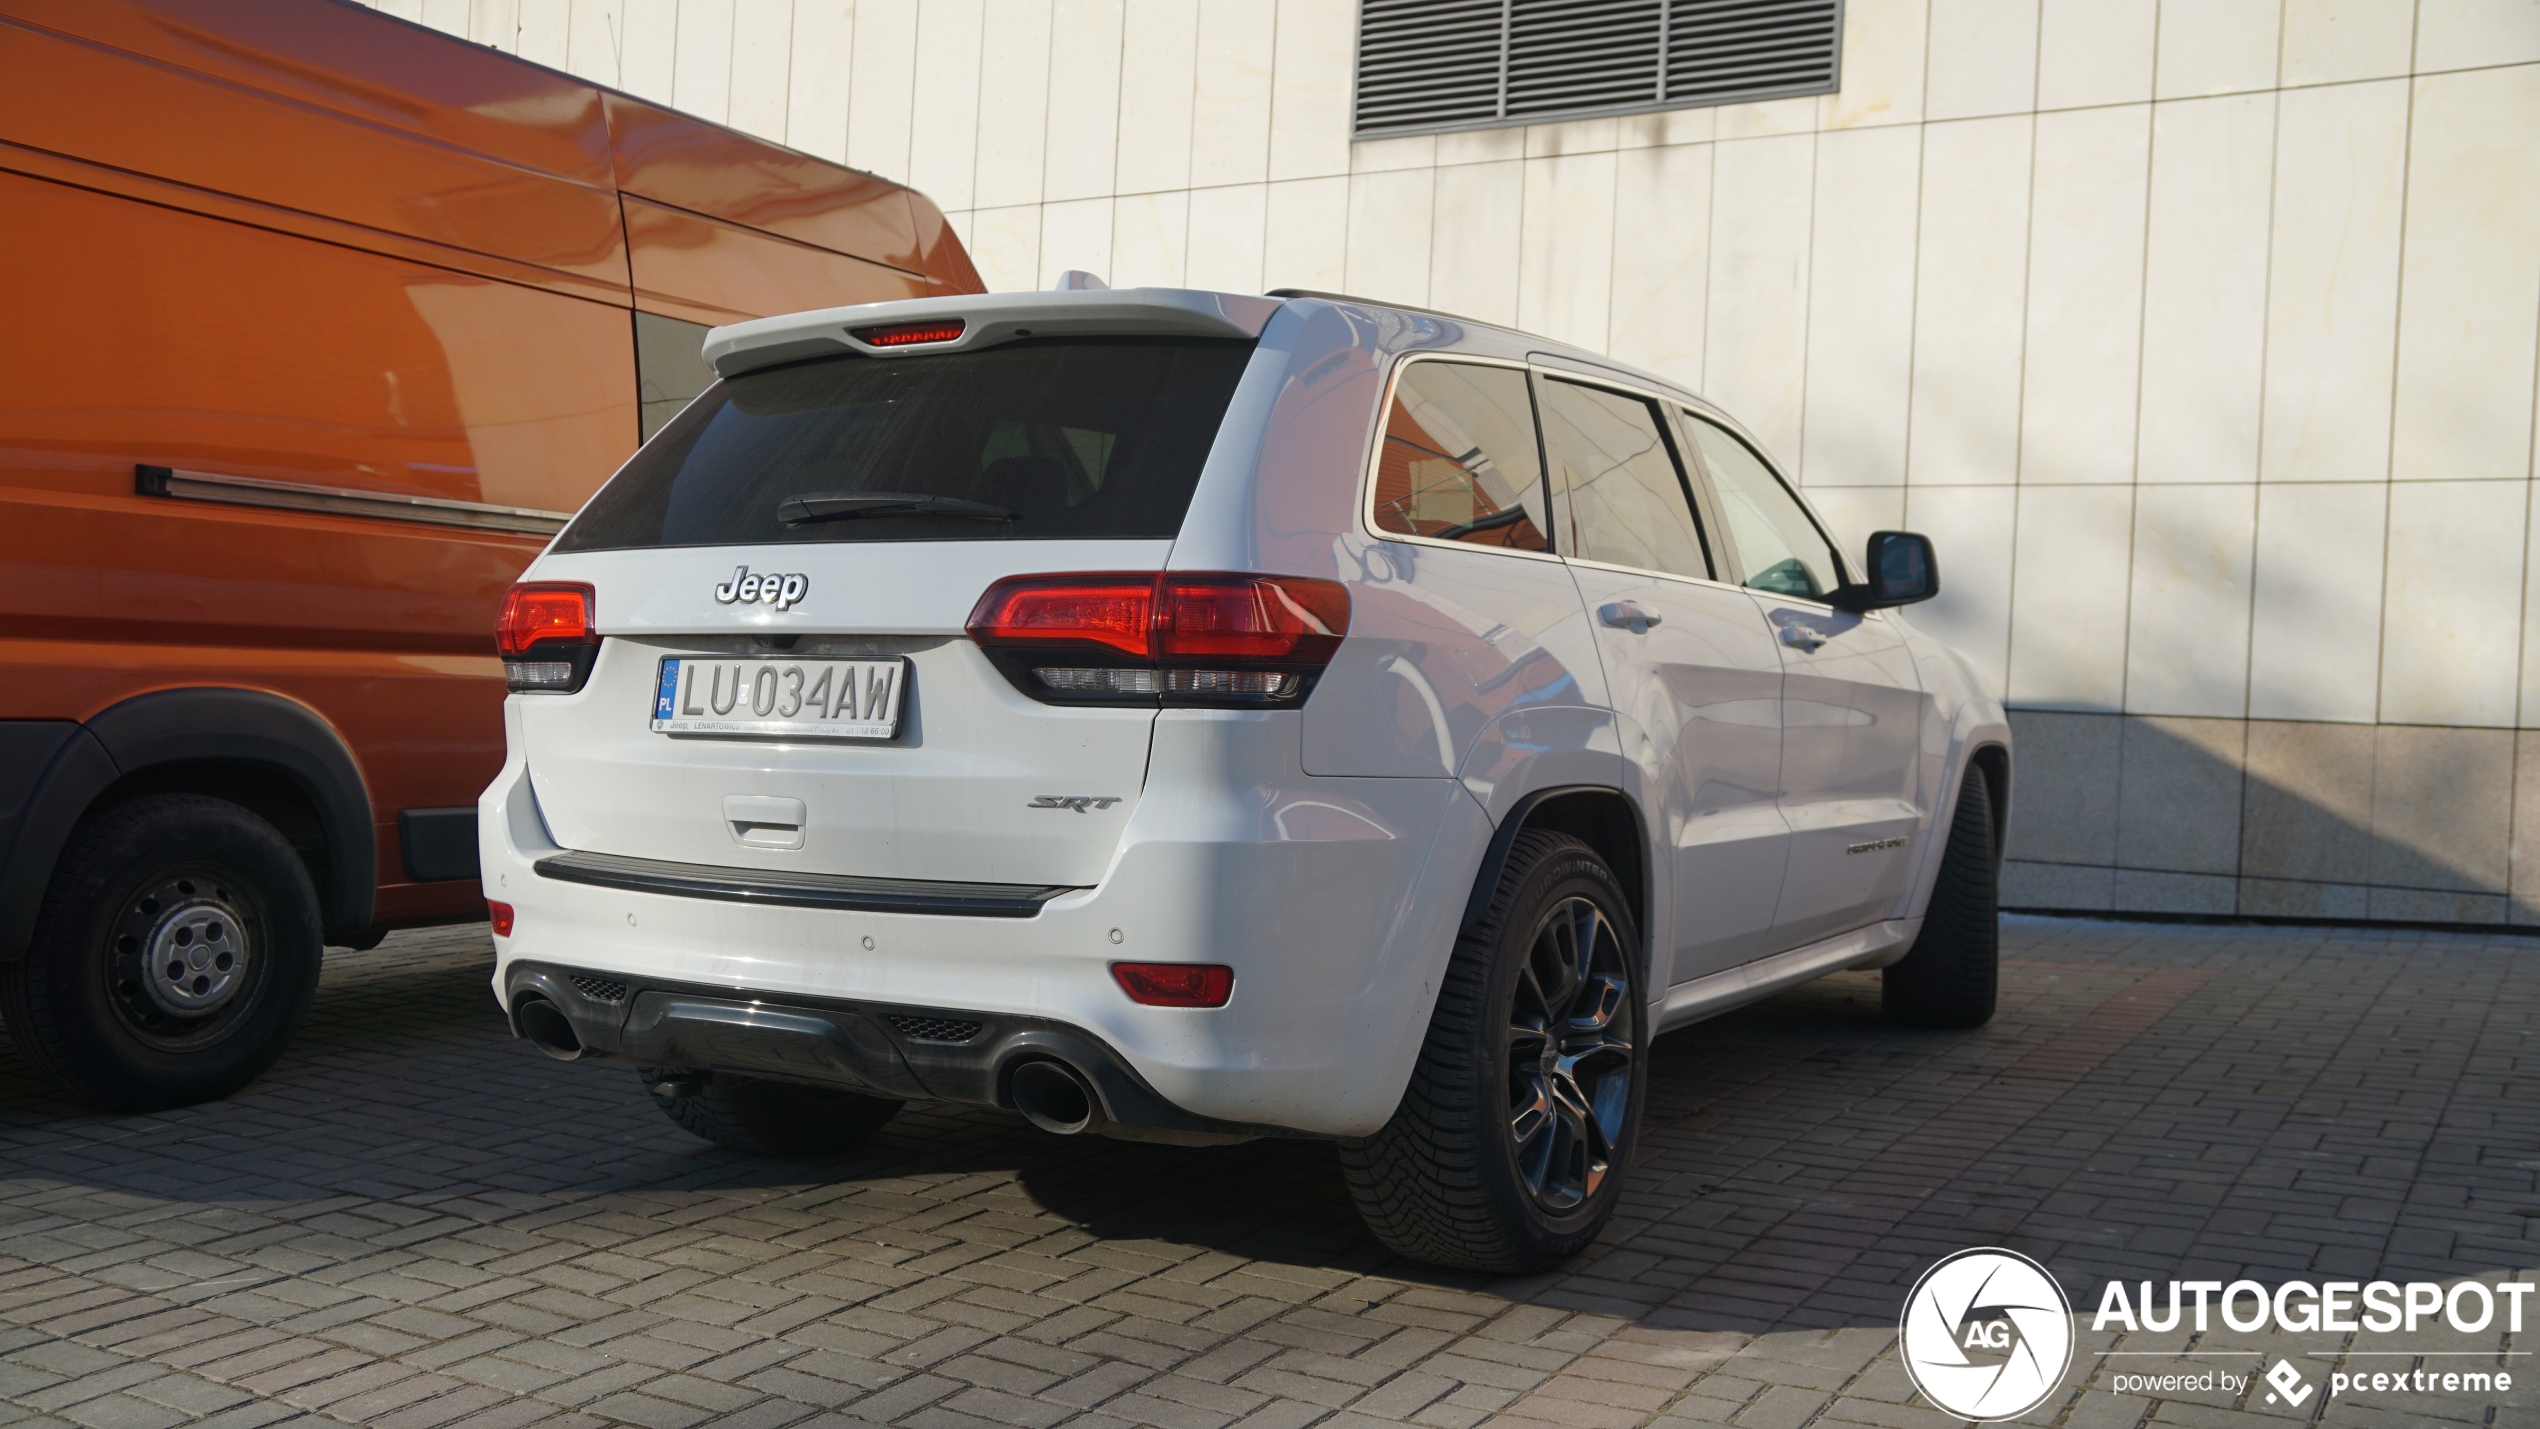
(273, 756)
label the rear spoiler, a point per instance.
(917, 326)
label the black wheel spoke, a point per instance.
(1571, 1054)
(1600, 1001)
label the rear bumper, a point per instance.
(1334, 900)
(880, 1049)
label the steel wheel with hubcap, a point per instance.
(1508, 1150)
(175, 955)
(181, 954)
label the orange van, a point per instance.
(319, 325)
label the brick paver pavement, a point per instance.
(416, 1223)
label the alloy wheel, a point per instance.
(1571, 1055)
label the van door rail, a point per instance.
(343, 501)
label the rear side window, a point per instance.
(1035, 440)
(1616, 471)
(1459, 461)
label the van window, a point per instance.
(670, 368)
(1459, 461)
(1616, 475)
(1779, 545)
(1035, 440)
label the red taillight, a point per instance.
(1116, 611)
(1284, 618)
(906, 334)
(1175, 984)
(543, 610)
(546, 638)
(501, 916)
(1197, 638)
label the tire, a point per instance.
(174, 957)
(1950, 977)
(764, 1118)
(1499, 1159)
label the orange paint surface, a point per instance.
(302, 242)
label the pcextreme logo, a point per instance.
(1987, 1334)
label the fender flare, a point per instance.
(1495, 858)
(68, 769)
(1977, 754)
(185, 726)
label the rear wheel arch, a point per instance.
(273, 756)
(1603, 818)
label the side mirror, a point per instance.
(1902, 570)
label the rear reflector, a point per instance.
(908, 334)
(1175, 984)
(501, 916)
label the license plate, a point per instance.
(801, 699)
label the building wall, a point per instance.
(2200, 336)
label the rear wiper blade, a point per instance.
(848, 505)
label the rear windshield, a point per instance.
(1033, 440)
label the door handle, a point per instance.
(1629, 614)
(1800, 637)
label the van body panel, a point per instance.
(674, 160)
(712, 271)
(306, 243)
(266, 355)
(344, 60)
(111, 107)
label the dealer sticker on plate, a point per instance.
(801, 699)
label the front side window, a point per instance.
(1777, 543)
(1614, 476)
(1083, 439)
(1458, 461)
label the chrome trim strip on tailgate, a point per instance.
(343, 501)
(799, 890)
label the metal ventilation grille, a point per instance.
(600, 989)
(1430, 65)
(932, 1029)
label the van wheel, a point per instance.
(766, 1118)
(1950, 977)
(1509, 1149)
(175, 955)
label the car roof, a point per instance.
(988, 319)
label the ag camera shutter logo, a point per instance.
(1987, 1334)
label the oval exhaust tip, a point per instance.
(1055, 1098)
(548, 1029)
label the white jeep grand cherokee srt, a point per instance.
(1193, 717)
